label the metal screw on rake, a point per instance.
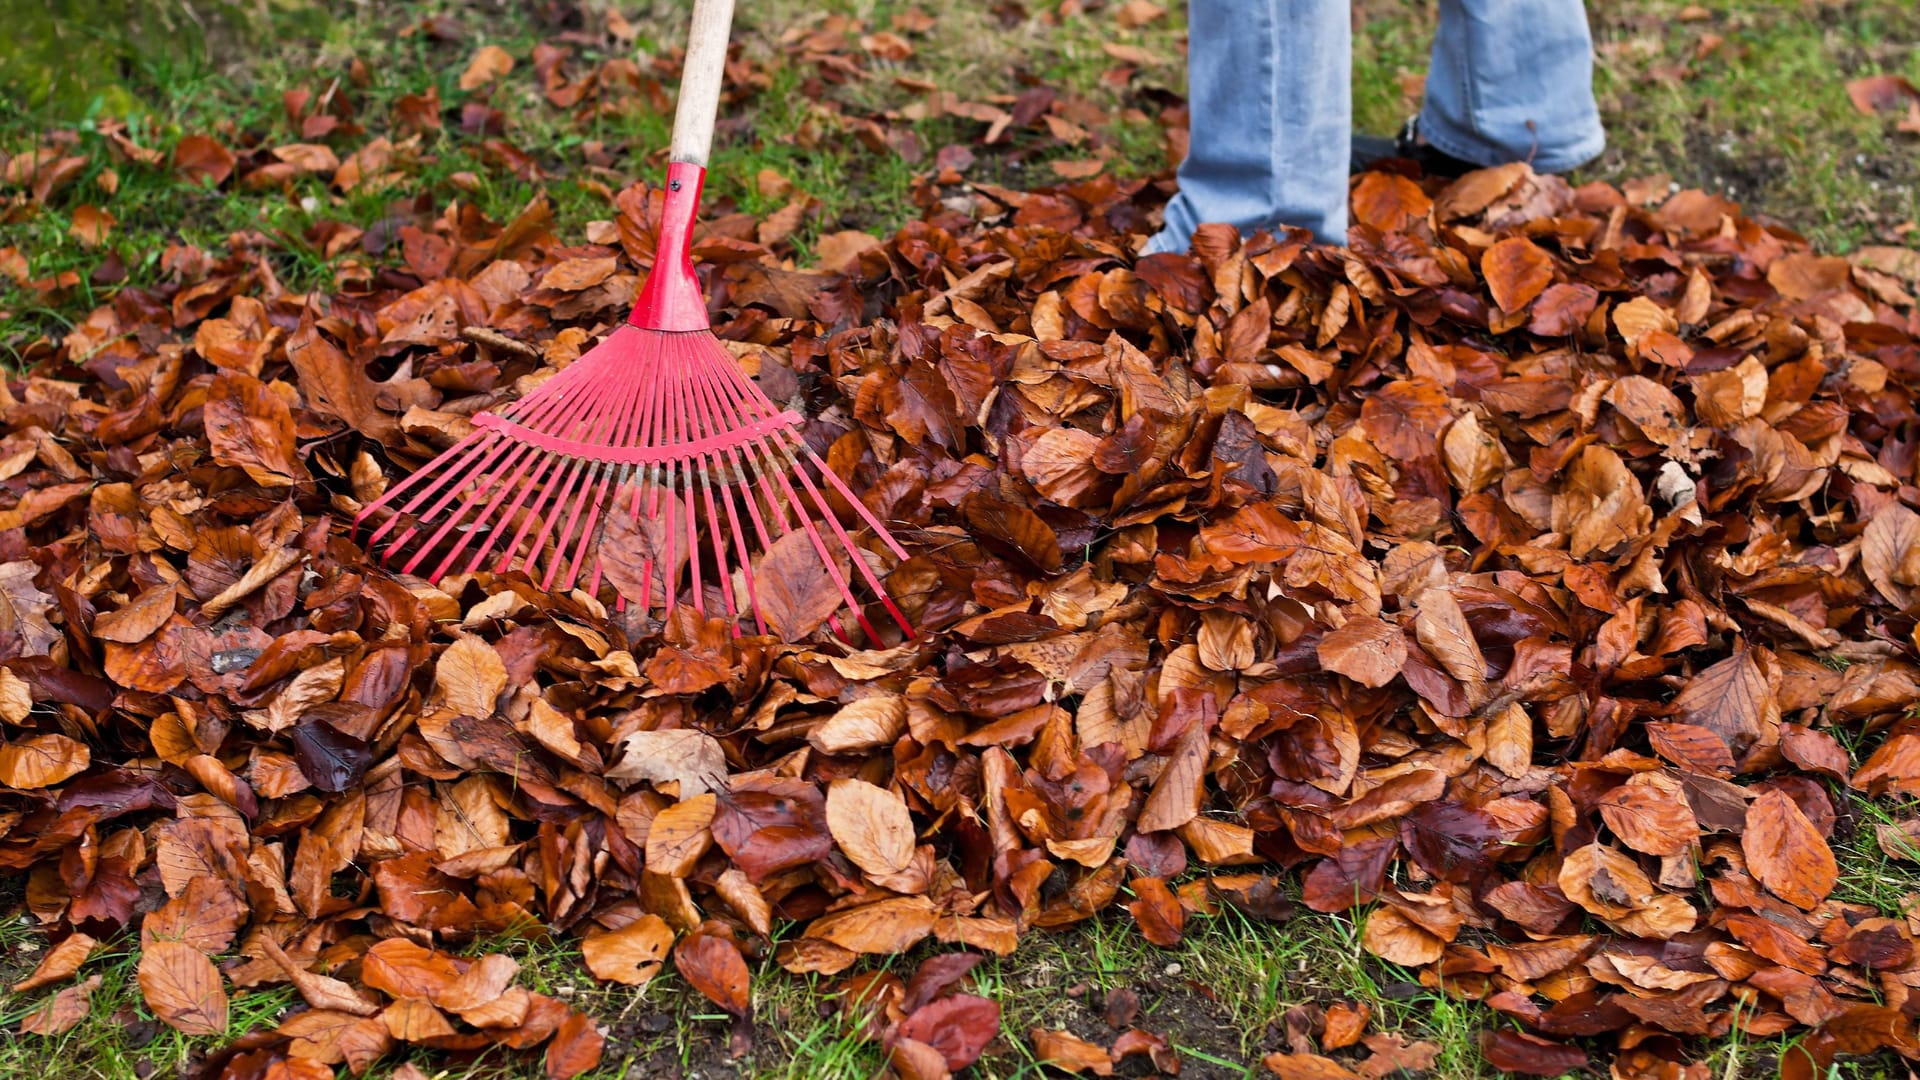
(656, 417)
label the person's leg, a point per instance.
(1271, 112)
(1512, 80)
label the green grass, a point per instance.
(1764, 116)
(118, 1036)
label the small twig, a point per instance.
(494, 339)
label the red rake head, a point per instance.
(650, 460)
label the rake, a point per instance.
(655, 423)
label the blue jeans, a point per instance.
(1271, 105)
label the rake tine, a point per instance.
(703, 404)
(609, 414)
(692, 426)
(833, 521)
(616, 432)
(827, 515)
(593, 482)
(592, 425)
(670, 589)
(522, 456)
(699, 421)
(819, 545)
(456, 459)
(409, 514)
(625, 433)
(475, 491)
(565, 499)
(690, 466)
(543, 463)
(522, 482)
(585, 538)
(400, 511)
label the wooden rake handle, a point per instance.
(700, 80)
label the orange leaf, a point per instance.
(1650, 813)
(1786, 853)
(199, 159)
(62, 1012)
(714, 966)
(680, 835)
(1068, 1052)
(1516, 271)
(796, 591)
(251, 427)
(488, 64)
(1389, 202)
(871, 825)
(630, 955)
(91, 225)
(1365, 649)
(1158, 912)
(60, 962)
(575, 1048)
(40, 761)
(402, 969)
(182, 988)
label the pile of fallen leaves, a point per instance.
(1528, 574)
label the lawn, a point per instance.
(1748, 100)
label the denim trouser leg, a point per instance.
(1270, 104)
(1512, 80)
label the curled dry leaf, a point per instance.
(60, 963)
(1070, 1053)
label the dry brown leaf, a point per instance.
(871, 825)
(631, 955)
(182, 988)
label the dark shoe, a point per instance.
(1373, 151)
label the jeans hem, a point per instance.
(1479, 153)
